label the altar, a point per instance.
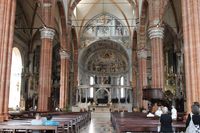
(104, 97)
(100, 108)
(104, 94)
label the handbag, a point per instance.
(192, 128)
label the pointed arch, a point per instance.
(143, 24)
(15, 79)
(63, 31)
(76, 2)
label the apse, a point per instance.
(104, 57)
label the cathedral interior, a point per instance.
(102, 55)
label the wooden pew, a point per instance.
(25, 114)
(70, 122)
(73, 120)
(137, 122)
(27, 129)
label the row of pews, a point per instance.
(70, 122)
(138, 122)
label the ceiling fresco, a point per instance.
(106, 61)
(104, 26)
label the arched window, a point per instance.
(122, 89)
(91, 88)
(15, 79)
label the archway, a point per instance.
(106, 61)
(15, 79)
(102, 96)
(105, 58)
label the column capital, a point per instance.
(142, 53)
(156, 32)
(64, 54)
(48, 33)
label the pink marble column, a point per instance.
(157, 60)
(156, 33)
(7, 17)
(191, 34)
(47, 35)
(64, 79)
(142, 56)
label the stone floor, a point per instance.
(100, 123)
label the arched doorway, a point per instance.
(15, 79)
(102, 96)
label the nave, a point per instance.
(81, 56)
(100, 123)
(89, 122)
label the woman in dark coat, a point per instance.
(166, 121)
(195, 116)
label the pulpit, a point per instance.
(152, 94)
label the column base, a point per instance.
(6, 117)
(2, 118)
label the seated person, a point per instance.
(38, 120)
(154, 108)
(17, 108)
(174, 113)
(50, 122)
(158, 112)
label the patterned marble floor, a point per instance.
(100, 123)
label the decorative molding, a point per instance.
(64, 54)
(142, 53)
(47, 33)
(156, 32)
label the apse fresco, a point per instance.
(107, 61)
(105, 26)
